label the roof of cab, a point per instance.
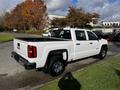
(68, 28)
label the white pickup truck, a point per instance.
(53, 53)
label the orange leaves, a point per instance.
(28, 14)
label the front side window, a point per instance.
(91, 36)
(80, 35)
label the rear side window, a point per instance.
(55, 33)
(92, 36)
(65, 34)
(80, 35)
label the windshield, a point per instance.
(65, 34)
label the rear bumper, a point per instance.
(23, 61)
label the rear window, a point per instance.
(65, 34)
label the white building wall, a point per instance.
(111, 23)
(106, 30)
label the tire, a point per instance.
(56, 66)
(103, 53)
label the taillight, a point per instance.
(32, 51)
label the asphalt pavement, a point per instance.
(13, 76)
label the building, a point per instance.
(51, 17)
(111, 23)
(108, 26)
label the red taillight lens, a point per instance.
(32, 51)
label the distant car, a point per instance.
(117, 37)
(108, 36)
(99, 33)
(47, 33)
(14, 30)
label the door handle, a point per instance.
(90, 43)
(77, 43)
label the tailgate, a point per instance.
(20, 47)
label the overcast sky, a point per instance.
(106, 8)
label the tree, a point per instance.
(27, 15)
(95, 17)
(79, 18)
(59, 22)
(76, 18)
(1, 23)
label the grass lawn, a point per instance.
(104, 75)
(5, 38)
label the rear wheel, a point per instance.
(56, 66)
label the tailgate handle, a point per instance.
(18, 45)
(77, 43)
(91, 43)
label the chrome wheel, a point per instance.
(57, 67)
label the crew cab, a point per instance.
(52, 54)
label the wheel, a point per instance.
(102, 53)
(56, 66)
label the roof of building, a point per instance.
(55, 16)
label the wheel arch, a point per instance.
(56, 52)
(105, 46)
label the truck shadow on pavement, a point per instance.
(68, 82)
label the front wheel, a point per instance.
(56, 66)
(102, 53)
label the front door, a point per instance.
(93, 43)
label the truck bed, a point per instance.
(43, 39)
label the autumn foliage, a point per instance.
(27, 15)
(59, 22)
(76, 18)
